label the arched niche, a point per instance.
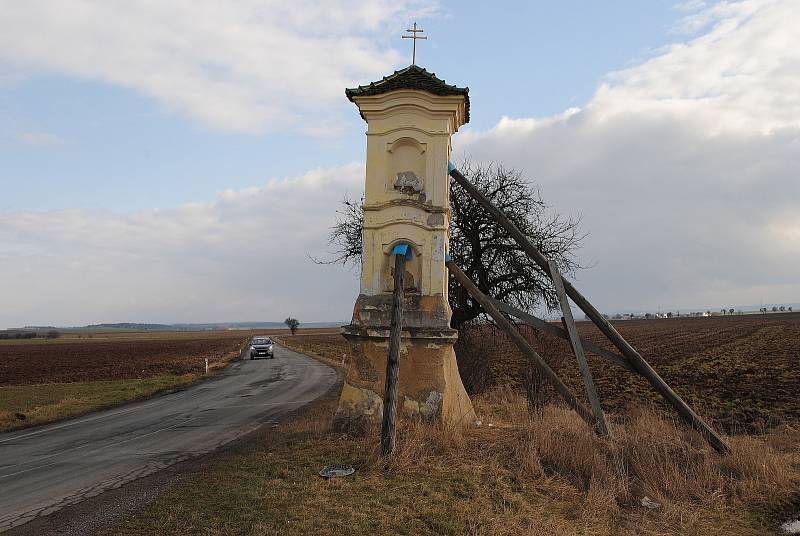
(406, 166)
(413, 268)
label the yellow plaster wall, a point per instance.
(408, 131)
(429, 386)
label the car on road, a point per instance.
(261, 346)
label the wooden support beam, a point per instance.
(638, 362)
(506, 325)
(600, 425)
(388, 426)
(547, 327)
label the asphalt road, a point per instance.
(47, 468)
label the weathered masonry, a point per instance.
(411, 116)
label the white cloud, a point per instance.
(739, 76)
(686, 168)
(246, 65)
(242, 257)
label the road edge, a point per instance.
(159, 392)
(102, 512)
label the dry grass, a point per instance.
(330, 348)
(649, 456)
(554, 452)
(605, 480)
(522, 472)
(519, 473)
(27, 405)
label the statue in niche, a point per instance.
(407, 182)
(408, 281)
(411, 275)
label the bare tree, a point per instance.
(292, 324)
(483, 249)
(491, 258)
(345, 236)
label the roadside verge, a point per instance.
(27, 405)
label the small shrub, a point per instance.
(537, 390)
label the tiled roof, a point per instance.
(412, 77)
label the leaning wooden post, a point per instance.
(393, 358)
(547, 327)
(600, 425)
(506, 325)
(638, 362)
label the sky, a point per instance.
(182, 161)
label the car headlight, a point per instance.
(270, 348)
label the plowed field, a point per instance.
(121, 355)
(740, 372)
(743, 372)
(141, 356)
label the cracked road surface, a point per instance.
(47, 468)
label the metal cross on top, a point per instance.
(414, 38)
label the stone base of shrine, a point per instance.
(429, 386)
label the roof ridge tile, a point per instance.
(411, 77)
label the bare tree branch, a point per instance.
(346, 235)
(483, 249)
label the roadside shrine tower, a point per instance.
(411, 116)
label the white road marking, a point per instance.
(113, 444)
(27, 470)
(73, 423)
(101, 448)
(267, 404)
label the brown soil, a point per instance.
(741, 372)
(118, 355)
(26, 364)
